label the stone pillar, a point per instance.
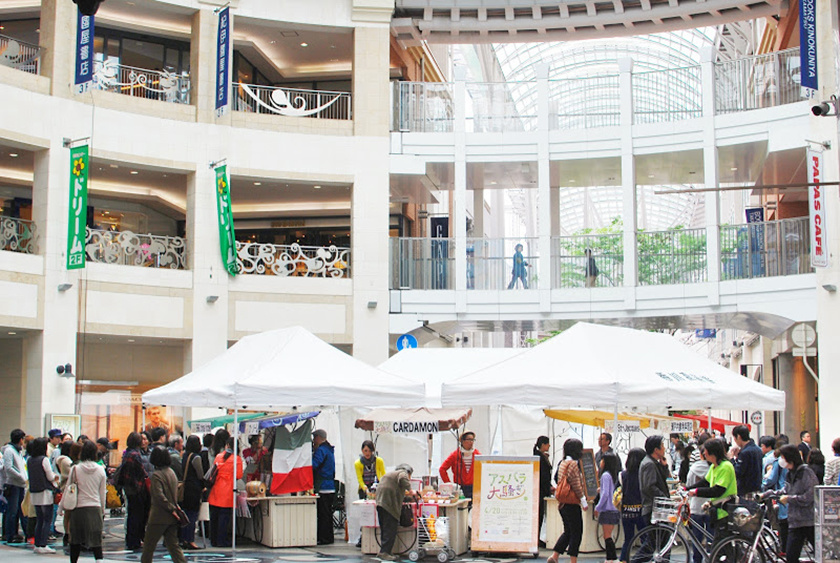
(711, 176)
(478, 210)
(58, 41)
(369, 214)
(459, 196)
(55, 345)
(628, 182)
(544, 189)
(203, 65)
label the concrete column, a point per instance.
(203, 64)
(460, 194)
(12, 400)
(55, 345)
(711, 176)
(628, 182)
(58, 40)
(371, 95)
(478, 211)
(209, 320)
(543, 189)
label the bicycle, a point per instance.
(672, 535)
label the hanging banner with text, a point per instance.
(223, 62)
(816, 209)
(808, 43)
(77, 223)
(227, 239)
(84, 53)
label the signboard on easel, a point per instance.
(506, 495)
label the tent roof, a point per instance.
(593, 417)
(596, 366)
(447, 419)
(435, 366)
(286, 367)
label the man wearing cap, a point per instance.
(54, 437)
(389, 500)
(461, 463)
(323, 471)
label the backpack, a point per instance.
(617, 495)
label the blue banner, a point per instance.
(808, 43)
(223, 62)
(84, 53)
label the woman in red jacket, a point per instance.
(221, 495)
(461, 463)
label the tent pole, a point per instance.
(235, 459)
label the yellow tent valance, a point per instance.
(594, 418)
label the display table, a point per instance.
(457, 513)
(282, 521)
(554, 527)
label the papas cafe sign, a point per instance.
(816, 208)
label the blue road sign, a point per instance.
(406, 341)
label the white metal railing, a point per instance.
(423, 106)
(422, 263)
(571, 266)
(771, 248)
(292, 102)
(18, 235)
(667, 95)
(584, 102)
(141, 83)
(19, 54)
(498, 263)
(756, 82)
(494, 110)
(672, 257)
(292, 260)
(130, 249)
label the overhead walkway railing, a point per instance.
(584, 102)
(677, 256)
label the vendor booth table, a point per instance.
(282, 521)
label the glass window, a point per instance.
(22, 30)
(142, 54)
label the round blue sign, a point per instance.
(406, 341)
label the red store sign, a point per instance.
(816, 206)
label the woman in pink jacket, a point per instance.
(460, 462)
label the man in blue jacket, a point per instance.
(323, 471)
(748, 463)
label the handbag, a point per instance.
(180, 490)
(183, 519)
(70, 497)
(564, 493)
(213, 473)
(406, 516)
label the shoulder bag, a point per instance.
(180, 490)
(71, 492)
(617, 495)
(564, 493)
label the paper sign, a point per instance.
(200, 427)
(252, 428)
(682, 427)
(625, 426)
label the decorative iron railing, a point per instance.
(130, 249)
(293, 260)
(771, 248)
(422, 263)
(141, 83)
(18, 235)
(571, 266)
(292, 102)
(672, 257)
(19, 54)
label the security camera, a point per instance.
(827, 108)
(65, 371)
(88, 7)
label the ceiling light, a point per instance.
(734, 168)
(113, 165)
(258, 183)
(13, 154)
(493, 182)
(317, 187)
(134, 173)
(10, 333)
(304, 44)
(650, 175)
(131, 340)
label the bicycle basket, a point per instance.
(664, 510)
(744, 520)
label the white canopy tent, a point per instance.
(592, 365)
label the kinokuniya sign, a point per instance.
(406, 427)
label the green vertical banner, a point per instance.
(77, 231)
(227, 239)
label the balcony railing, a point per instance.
(130, 249)
(19, 54)
(141, 83)
(495, 264)
(18, 235)
(758, 250)
(672, 257)
(494, 110)
(571, 267)
(584, 102)
(292, 260)
(667, 95)
(756, 82)
(292, 102)
(422, 263)
(423, 106)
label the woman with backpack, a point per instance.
(571, 499)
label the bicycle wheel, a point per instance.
(736, 550)
(654, 544)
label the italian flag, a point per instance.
(292, 460)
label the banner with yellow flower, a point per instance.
(227, 239)
(76, 233)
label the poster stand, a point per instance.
(827, 529)
(506, 495)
